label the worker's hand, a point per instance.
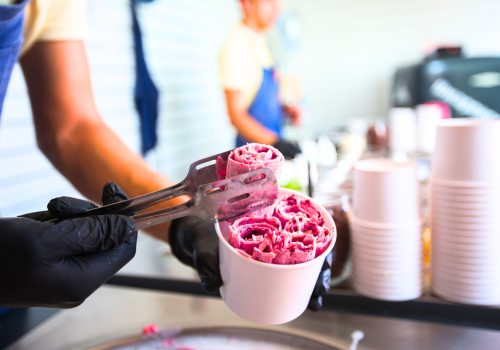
(195, 243)
(294, 114)
(59, 264)
(322, 285)
(288, 149)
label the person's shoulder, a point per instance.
(237, 40)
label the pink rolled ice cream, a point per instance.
(250, 157)
(293, 234)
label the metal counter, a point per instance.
(114, 312)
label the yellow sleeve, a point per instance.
(237, 67)
(65, 20)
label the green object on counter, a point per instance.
(293, 184)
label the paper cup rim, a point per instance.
(385, 165)
(289, 266)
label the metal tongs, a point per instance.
(213, 200)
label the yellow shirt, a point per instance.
(53, 20)
(243, 58)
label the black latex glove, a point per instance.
(288, 149)
(59, 264)
(322, 285)
(195, 243)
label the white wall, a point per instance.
(351, 48)
(182, 40)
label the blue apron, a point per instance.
(266, 107)
(11, 29)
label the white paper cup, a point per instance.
(464, 191)
(465, 200)
(471, 289)
(394, 270)
(478, 205)
(490, 212)
(409, 276)
(386, 247)
(386, 192)
(383, 250)
(390, 241)
(484, 283)
(449, 249)
(490, 300)
(266, 293)
(466, 153)
(479, 273)
(464, 226)
(403, 129)
(428, 117)
(471, 244)
(382, 227)
(480, 220)
(413, 259)
(459, 262)
(463, 264)
(465, 233)
(384, 294)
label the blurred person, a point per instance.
(60, 263)
(249, 80)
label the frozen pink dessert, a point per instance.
(250, 157)
(294, 234)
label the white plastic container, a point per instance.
(466, 153)
(386, 192)
(402, 129)
(428, 117)
(266, 293)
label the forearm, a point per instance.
(244, 123)
(252, 130)
(90, 154)
(70, 131)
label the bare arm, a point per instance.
(247, 126)
(71, 133)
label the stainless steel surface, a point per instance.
(213, 199)
(216, 338)
(195, 177)
(112, 313)
(221, 200)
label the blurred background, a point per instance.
(343, 53)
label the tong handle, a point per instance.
(157, 217)
(131, 206)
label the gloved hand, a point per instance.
(322, 285)
(195, 243)
(59, 264)
(288, 149)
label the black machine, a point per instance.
(470, 86)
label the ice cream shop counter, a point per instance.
(155, 289)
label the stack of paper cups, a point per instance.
(465, 212)
(386, 231)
